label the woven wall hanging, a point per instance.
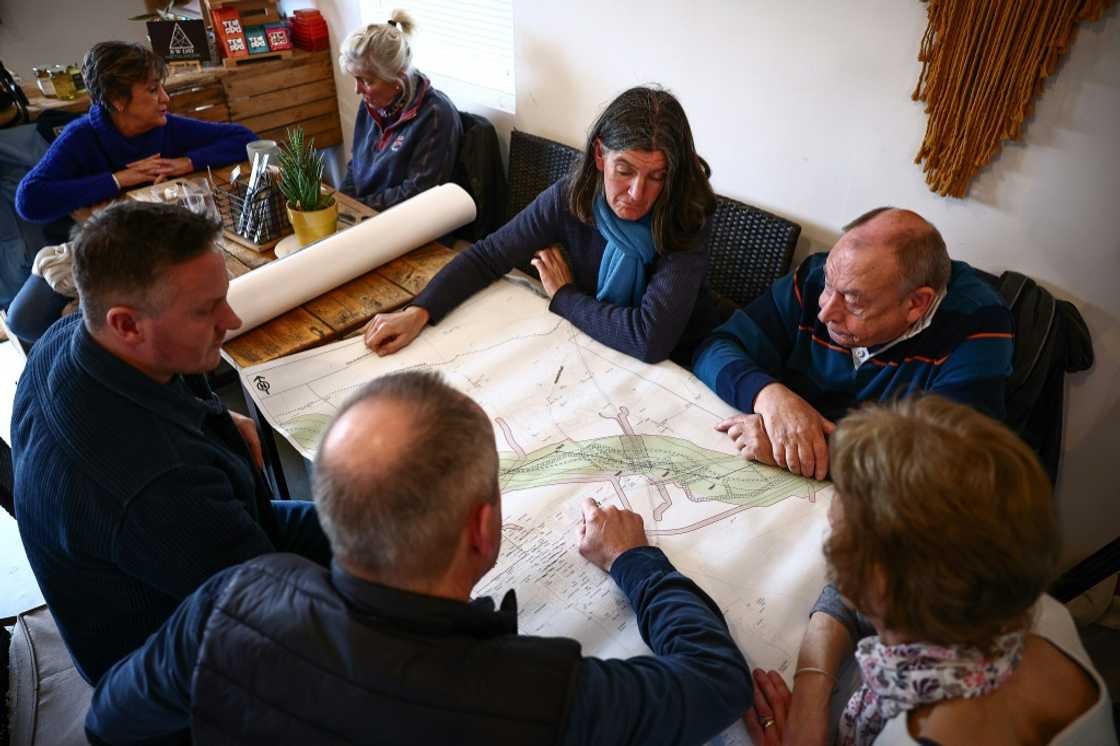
(983, 64)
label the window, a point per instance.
(464, 46)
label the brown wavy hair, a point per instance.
(645, 118)
(110, 68)
(951, 509)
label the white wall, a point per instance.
(58, 32)
(804, 108)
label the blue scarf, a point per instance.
(622, 273)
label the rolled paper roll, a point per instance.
(271, 290)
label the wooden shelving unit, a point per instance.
(267, 97)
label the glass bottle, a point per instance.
(75, 73)
(63, 83)
(43, 80)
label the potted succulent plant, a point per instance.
(312, 212)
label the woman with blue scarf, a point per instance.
(631, 220)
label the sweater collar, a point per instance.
(185, 400)
(130, 148)
(861, 355)
(386, 118)
(431, 614)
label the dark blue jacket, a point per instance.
(963, 355)
(78, 169)
(279, 651)
(395, 159)
(676, 312)
(130, 493)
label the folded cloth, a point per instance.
(55, 264)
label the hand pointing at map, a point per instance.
(606, 533)
(388, 332)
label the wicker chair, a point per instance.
(535, 164)
(748, 249)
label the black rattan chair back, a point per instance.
(748, 249)
(535, 164)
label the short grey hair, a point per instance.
(921, 252)
(123, 253)
(405, 517)
(383, 50)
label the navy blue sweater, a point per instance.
(676, 312)
(697, 685)
(395, 159)
(78, 169)
(130, 493)
(964, 354)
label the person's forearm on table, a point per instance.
(824, 649)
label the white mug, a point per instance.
(262, 147)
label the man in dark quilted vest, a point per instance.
(388, 646)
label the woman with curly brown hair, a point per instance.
(632, 221)
(944, 538)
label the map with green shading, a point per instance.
(702, 474)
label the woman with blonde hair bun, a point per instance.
(406, 137)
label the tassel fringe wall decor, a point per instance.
(983, 64)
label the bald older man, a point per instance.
(388, 647)
(884, 314)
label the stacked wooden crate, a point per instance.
(268, 97)
(199, 95)
(271, 96)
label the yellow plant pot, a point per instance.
(314, 225)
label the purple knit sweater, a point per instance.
(676, 312)
(78, 169)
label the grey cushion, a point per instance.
(48, 699)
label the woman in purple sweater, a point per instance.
(127, 139)
(631, 220)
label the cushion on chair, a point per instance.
(48, 699)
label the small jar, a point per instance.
(76, 75)
(63, 83)
(43, 80)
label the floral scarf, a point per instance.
(898, 678)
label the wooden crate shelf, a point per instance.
(268, 97)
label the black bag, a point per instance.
(13, 101)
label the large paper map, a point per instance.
(574, 419)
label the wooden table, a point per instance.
(332, 315)
(339, 312)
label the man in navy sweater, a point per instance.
(133, 483)
(387, 646)
(884, 314)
